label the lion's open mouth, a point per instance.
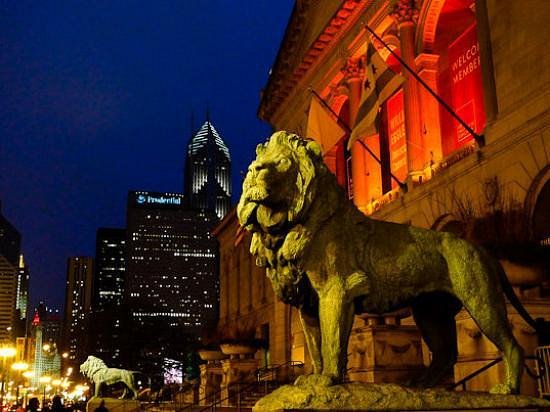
(247, 214)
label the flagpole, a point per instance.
(402, 185)
(480, 139)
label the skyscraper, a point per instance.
(106, 322)
(22, 289)
(7, 300)
(78, 302)
(110, 267)
(172, 262)
(208, 172)
(10, 242)
(172, 285)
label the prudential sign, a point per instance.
(143, 199)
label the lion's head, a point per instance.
(91, 366)
(277, 189)
(278, 192)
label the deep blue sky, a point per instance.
(96, 99)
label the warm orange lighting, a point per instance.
(28, 374)
(45, 379)
(7, 352)
(20, 366)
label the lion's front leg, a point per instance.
(336, 317)
(312, 333)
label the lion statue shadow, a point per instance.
(329, 260)
(102, 377)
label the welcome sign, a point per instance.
(466, 84)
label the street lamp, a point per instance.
(19, 367)
(44, 380)
(5, 352)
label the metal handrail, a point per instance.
(472, 375)
(215, 395)
(273, 368)
(494, 362)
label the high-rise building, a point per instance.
(8, 276)
(10, 241)
(106, 322)
(78, 302)
(208, 172)
(110, 267)
(22, 289)
(171, 275)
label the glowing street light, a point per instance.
(19, 367)
(5, 352)
(44, 380)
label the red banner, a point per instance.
(397, 137)
(467, 84)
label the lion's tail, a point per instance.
(514, 300)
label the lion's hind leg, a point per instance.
(477, 284)
(434, 314)
(491, 318)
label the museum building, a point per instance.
(491, 184)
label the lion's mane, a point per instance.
(91, 366)
(282, 228)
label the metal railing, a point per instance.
(240, 391)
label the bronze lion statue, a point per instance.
(329, 260)
(97, 371)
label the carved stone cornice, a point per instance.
(405, 12)
(286, 74)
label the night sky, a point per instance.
(96, 99)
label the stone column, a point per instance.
(428, 65)
(405, 14)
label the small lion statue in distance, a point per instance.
(329, 260)
(97, 371)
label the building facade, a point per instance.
(208, 172)
(78, 304)
(172, 282)
(492, 191)
(110, 268)
(10, 241)
(8, 282)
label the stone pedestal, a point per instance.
(235, 373)
(114, 405)
(384, 351)
(211, 378)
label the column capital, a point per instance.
(405, 12)
(354, 68)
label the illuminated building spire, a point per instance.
(208, 171)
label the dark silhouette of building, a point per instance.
(208, 172)
(10, 243)
(110, 267)
(172, 282)
(106, 322)
(172, 261)
(78, 303)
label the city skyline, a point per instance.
(101, 102)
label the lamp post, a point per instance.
(19, 367)
(5, 352)
(27, 375)
(44, 380)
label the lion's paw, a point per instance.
(501, 389)
(313, 380)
